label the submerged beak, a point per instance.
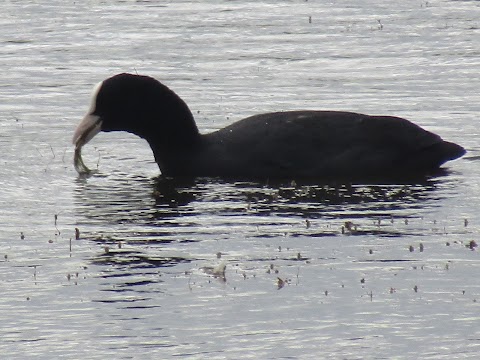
(86, 130)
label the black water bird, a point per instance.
(292, 144)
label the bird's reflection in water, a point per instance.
(134, 219)
(137, 209)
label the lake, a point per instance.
(312, 271)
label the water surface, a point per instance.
(312, 271)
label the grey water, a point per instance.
(373, 271)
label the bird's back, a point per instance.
(326, 144)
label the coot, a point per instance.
(292, 144)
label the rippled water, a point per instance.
(368, 271)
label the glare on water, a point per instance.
(208, 268)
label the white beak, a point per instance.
(86, 130)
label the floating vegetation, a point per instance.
(55, 223)
(281, 283)
(78, 163)
(472, 245)
(271, 269)
(380, 25)
(350, 226)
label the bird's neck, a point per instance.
(175, 146)
(171, 131)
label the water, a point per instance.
(138, 283)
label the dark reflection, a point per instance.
(136, 260)
(297, 198)
(162, 210)
(135, 221)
